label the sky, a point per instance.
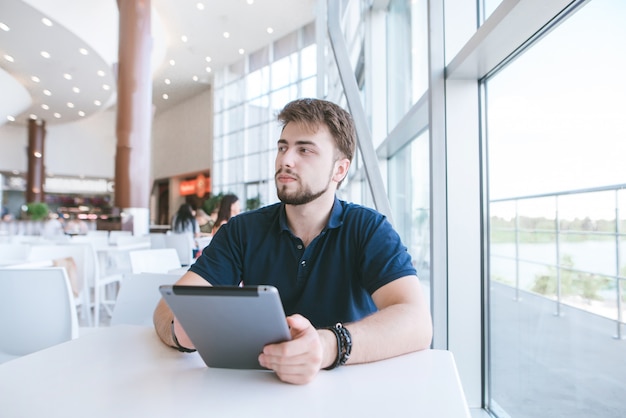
(557, 115)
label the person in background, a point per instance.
(76, 226)
(346, 281)
(53, 227)
(204, 222)
(229, 207)
(184, 221)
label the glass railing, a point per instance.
(568, 246)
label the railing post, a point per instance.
(517, 298)
(618, 280)
(558, 256)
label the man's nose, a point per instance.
(286, 159)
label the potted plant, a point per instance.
(37, 211)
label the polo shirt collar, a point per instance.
(335, 221)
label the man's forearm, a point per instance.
(162, 319)
(390, 332)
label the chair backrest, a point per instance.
(114, 236)
(133, 242)
(138, 296)
(14, 251)
(60, 251)
(154, 261)
(183, 244)
(157, 240)
(38, 308)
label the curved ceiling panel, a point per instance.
(15, 98)
(66, 78)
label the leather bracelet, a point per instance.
(344, 345)
(177, 344)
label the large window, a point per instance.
(247, 97)
(556, 144)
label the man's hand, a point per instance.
(296, 361)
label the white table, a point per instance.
(125, 371)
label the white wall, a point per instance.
(84, 148)
(183, 138)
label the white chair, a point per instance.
(79, 283)
(14, 252)
(183, 243)
(98, 282)
(157, 240)
(115, 235)
(38, 310)
(154, 261)
(138, 296)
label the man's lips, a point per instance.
(285, 178)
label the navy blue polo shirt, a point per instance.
(327, 282)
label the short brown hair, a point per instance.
(314, 112)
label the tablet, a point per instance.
(229, 325)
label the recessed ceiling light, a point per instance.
(165, 96)
(45, 54)
(101, 73)
(8, 58)
(35, 79)
(183, 38)
(270, 30)
(46, 21)
(45, 106)
(167, 81)
(47, 92)
(33, 116)
(172, 63)
(97, 102)
(75, 89)
(37, 154)
(194, 78)
(11, 118)
(106, 87)
(226, 35)
(208, 59)
(250, 1)
(67, 76)
(57, 115)
(208, 69)
(4, 27)
(81, 113)
(241, 51)
(200, 6)
(70, 105)
(83, 51)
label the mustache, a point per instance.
(286, 171)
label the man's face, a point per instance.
(306, 164)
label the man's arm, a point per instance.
(401, 325)
(163, 316)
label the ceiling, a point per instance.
(76, 79)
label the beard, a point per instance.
(301, 196)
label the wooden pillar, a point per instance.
(35, 176)
(134, 109)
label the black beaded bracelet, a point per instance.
(177, 344)
(344, 345)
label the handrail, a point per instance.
(617, 234)
(351, 90)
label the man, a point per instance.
(332, 261)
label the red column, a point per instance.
(134, 104)
(35, 176)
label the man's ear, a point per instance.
(341, 169)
